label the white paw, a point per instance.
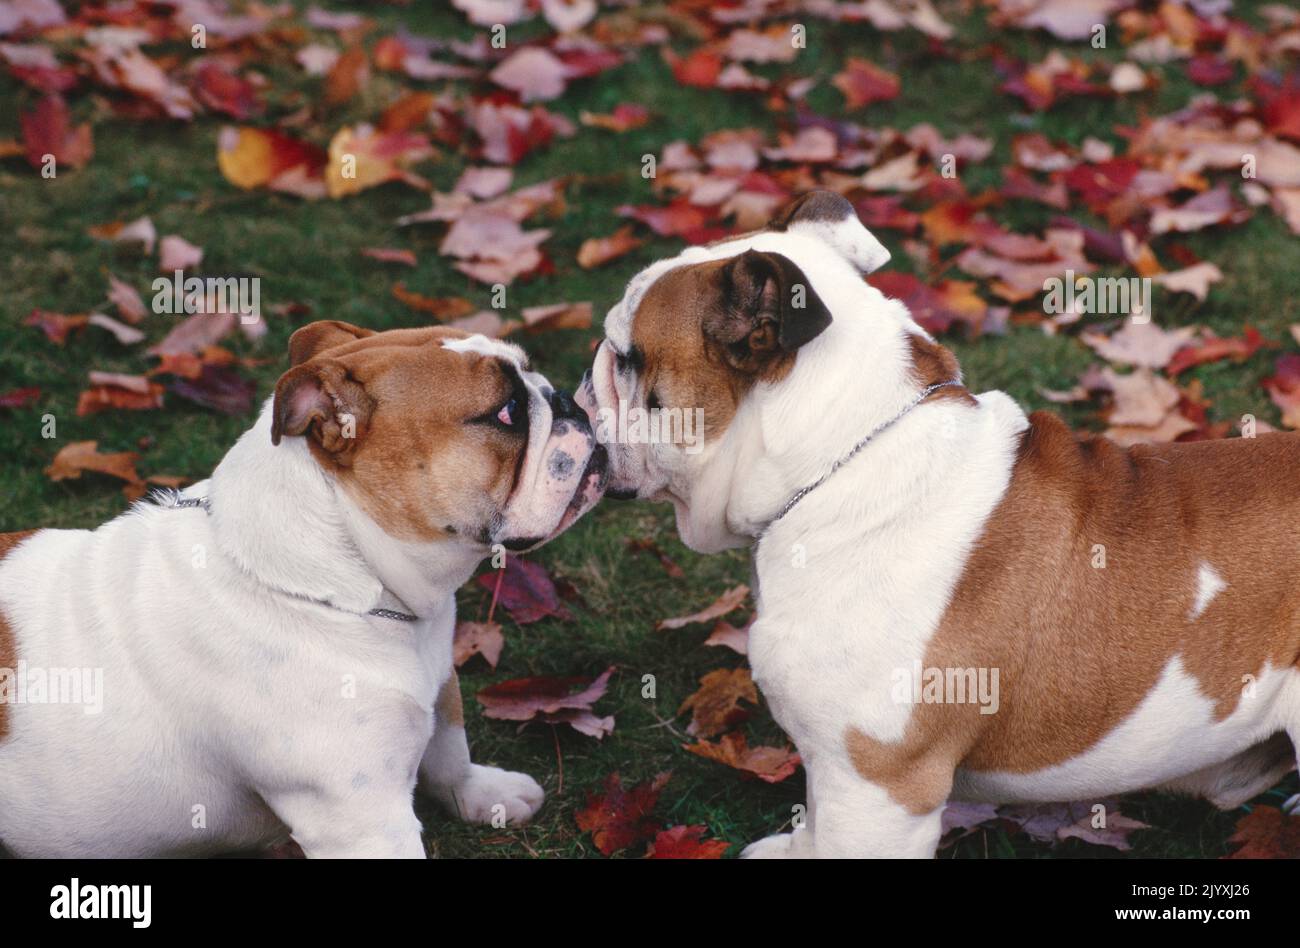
(771, 847)
(496, 796)
(1292, 805)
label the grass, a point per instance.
(308, 253)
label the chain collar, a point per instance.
(180, 502)
(853, 452)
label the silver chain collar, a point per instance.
(393, 614)
(853, 452)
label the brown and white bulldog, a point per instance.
(270, 651)
(955, 601)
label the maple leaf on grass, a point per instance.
(56, 326)
(81, 456)
(863, 82)
(526, 591)
(727, 602)
(620, 818)
(550, 700)
(684, 842)
(599, 250)
(477, 638)
(46, 131)
(769, 764)
(1266, 833)
(729, 636)
(715, 706)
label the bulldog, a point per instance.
(954, 601)
(274, 644)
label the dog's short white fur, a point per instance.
(236, 706)
(851, 584)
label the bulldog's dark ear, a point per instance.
(324, 402)
(768, 310)
(315, 338)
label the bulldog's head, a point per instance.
(715, 342)
(436, 433)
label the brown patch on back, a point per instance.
(450, 710)
(1078, 647)
(414, 464)
(8, 651)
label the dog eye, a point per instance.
(508, 414)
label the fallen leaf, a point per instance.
(715, 706)
(439, 307)
(729, 600)
(477, 638)
(56, 326)
(220, 388)
(557, 316)
(1212, 348)
(46, 131)
(81, 456)
(550, 700)
(259, 157)
(361, 158)
(104, 397)
(1266, 833)
(625, 117)
(726, 635)
(1140, 343)
(863, 83)
(533, 72)
(769, 764)
(619, 818)
(685, 842)
(600, 250)
(177, 253)
(526, 591)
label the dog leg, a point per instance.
(857, 818)
(475, 793)
(376, 823)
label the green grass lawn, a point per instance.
(307, 252)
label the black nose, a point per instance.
(563, 406)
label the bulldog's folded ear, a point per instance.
(832, 219)
(315, 338)
(323, 400)
(767, 310)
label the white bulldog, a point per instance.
(955, 601)
(274, 645)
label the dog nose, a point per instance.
(563, 406)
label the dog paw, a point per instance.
(496, 796)
(771, 847)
